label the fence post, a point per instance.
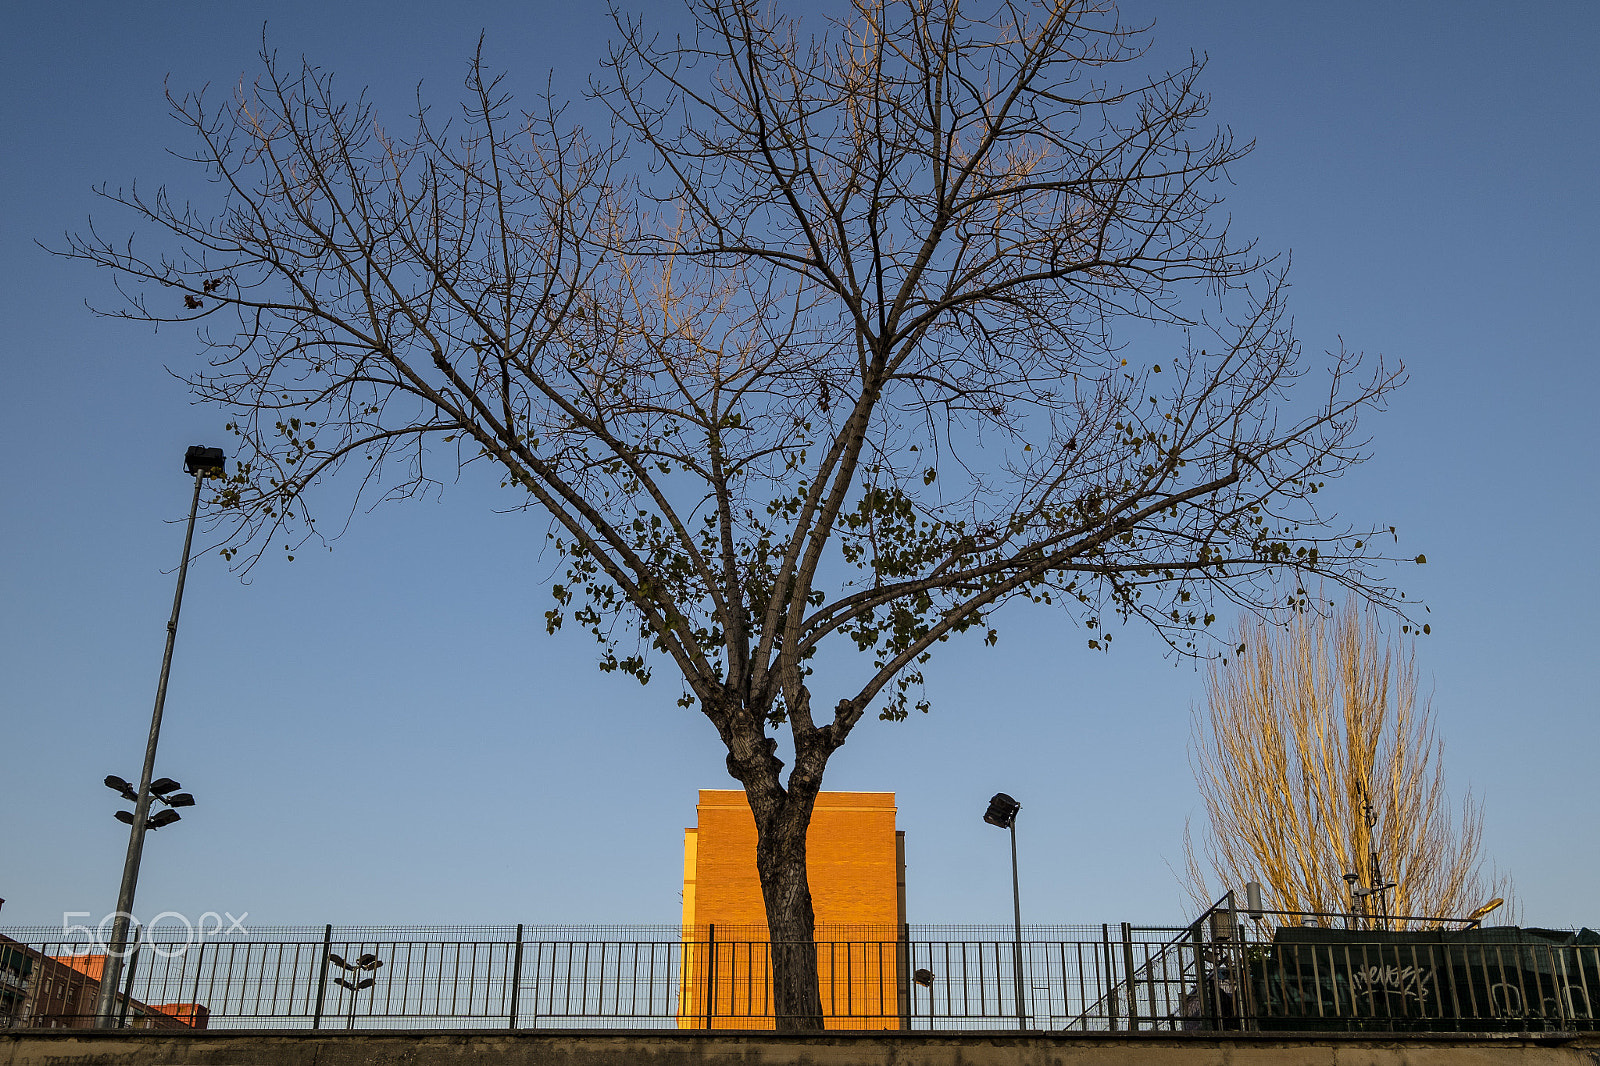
(904, 949)
(1133, 984)
(538, 964)
(322, 974)
(711, 970)
(199, 960)
(127, 986)
(1204, 1006)
(1243, 1004)
(516, 978)
(1110, 975)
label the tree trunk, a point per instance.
(791, 924)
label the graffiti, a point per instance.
(1566, 1001)
(1409, 981)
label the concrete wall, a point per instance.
(156, 1048)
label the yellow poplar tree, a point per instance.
(1306, 725)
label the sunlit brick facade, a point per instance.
(856, 867)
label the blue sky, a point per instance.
(384, 733)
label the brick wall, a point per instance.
(855, 862)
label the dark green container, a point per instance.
(1473, 980)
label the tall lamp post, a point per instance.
(1003, 813)
(202, 463)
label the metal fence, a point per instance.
(1082, 978)
(1489, 979)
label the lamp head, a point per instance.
(117, 784)
(1002, 811)
(923, 978)
(202, 460)
(1493, 904)
(161, 818)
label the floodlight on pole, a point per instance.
(204, 462)
(163, 818)
(355, 982)
(1002, 812)
(159, 790)
(201, 463)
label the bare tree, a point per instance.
(822, 346)
(1317, 762)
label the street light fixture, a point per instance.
(162, 818)
(157, 788)
(204, 462)
(1477, 916)
(1002, 812)
(355, 983)
(200, 462)
(117, 784)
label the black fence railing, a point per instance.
(1080, 978)
(1477, 979)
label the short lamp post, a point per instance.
(201, 463)
(1003, 813)
(353, 982)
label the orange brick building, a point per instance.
(855, 860)
(59, 991)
